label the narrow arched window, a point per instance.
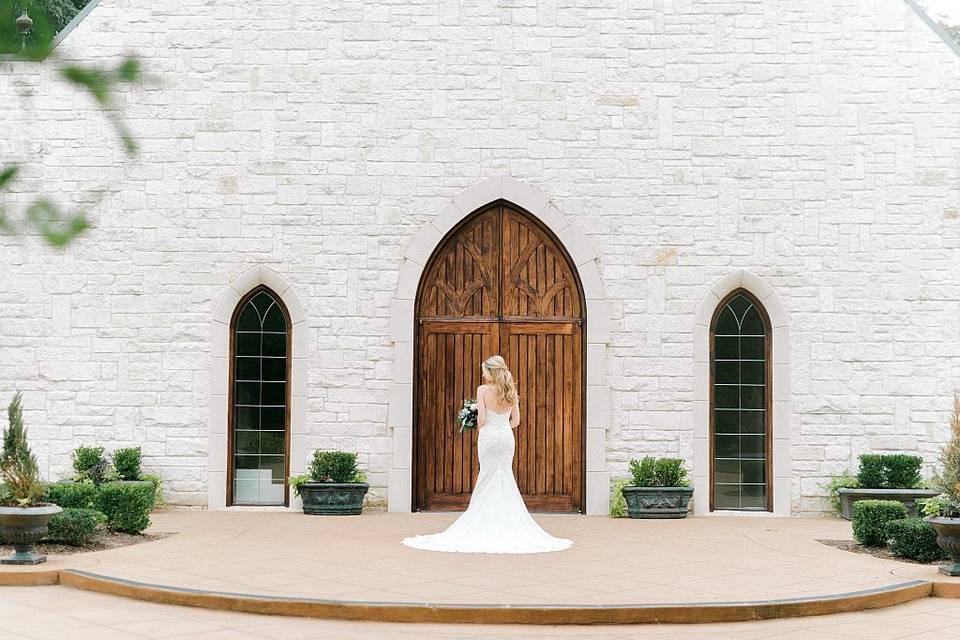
(259, 401)
(740, 399)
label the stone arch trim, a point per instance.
(781, 423)
(223, 311)
(416, 256)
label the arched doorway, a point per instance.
(500, 282)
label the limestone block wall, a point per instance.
(813, 145)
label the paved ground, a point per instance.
(613, 561)
(60, 613)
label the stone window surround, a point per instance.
(416, 256)
(780, 425)
(220, 378)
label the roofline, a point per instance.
(933, 24)
(84, 13)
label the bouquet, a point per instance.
(467, 417)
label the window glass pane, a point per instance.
(274, 464)
(752, 373)
(751, 397)
(726, 496)
(727, 323)
(752, 324)
(249, 319)
(274, 393)
(246, 418)
(727, 446)
(753, 497)
(753, 471)
(274, 344)
(752, 348)
(248, 393)
(274, 320)
(248, 344)
(727, 422)
(752, 447)
(727, 397)
(247, 368)
(246, 442)
(727, 372)
(753, 421)
(272, 442)
(274, 368)
(273, 418)
(727, 471)
(727, 348)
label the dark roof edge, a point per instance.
(937, 29)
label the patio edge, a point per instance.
(690, 613)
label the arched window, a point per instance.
(740, 405)
(259, 401)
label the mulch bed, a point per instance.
(106, 540)
(876, 552)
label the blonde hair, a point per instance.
(501, 379)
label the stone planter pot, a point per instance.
(333, 498)
(657, 502)
(908, 497)
(24, 527)
(948, 539)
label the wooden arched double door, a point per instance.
(500, 283)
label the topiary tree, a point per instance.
(18, 466)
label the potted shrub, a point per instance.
(332, 486)
(943, 512)
(23, 514)
(886, 477)
(660, 489)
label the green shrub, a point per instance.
(913, 538)
(75, 527)
(127, 505)
(72, 495)
(618, 504)
(871, 475)
(844, 481)
(871, 516)
(18, 466)
(90, 464)
(902, 471)
(127, 463)
(658, 472)
(333, 466)
(159, 499)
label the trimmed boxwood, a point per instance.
(75, 527)
(72, 495)
(870, 517)
(128, 463)
(913, 538)
(127, 505)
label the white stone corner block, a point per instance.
(423, 243)
(219, 376)
(292, 301)
(577, 245)
(298, 453)
(246, 280)
(554, 218)
(729, 283)
(523, 195)
(402, 448)
(400, 412)
(219, 340)
(403, 362)
(217, 452)
(217, 407)
(408, 279)
(782, 497)
(596, 449)
(298, 376)
(447, 219)
(300, 340)
(781, 382)
(598, 407)
(701, 458)
(590, 279)
(399, 491)
(478, 195)
(781, 344)
(216, 490)
(701, 381)
(775, 309)
(781, 420)
(782, 457)
(598, 493)
(705, 314)
(701, 495)
(756, 285)
(224, 307)
(598, 322)
(298, 415)
(401, 321)
(272, 279)
(596, 364)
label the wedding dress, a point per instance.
(496, 520)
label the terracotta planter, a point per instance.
(333, 498)
(948, 539)
(657, 502)
(908, 497)
(24, 527)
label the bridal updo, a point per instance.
(502, 380)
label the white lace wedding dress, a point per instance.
(496, 521)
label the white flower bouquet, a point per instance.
(467, 417)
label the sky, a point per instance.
(949, 9)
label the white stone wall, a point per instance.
(812, 143)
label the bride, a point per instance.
(496, 520)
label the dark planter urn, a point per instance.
(333, 498)
(948, 539)
(24, 527)
(657, 502)
(908, 497)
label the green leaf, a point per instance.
(51, 223)
(92, 79)
(8, 174)
(129, 69)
